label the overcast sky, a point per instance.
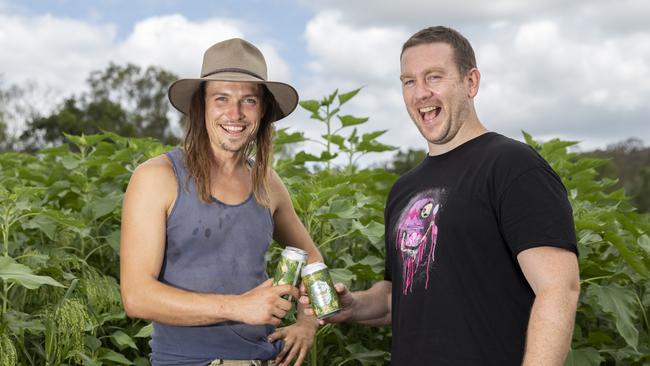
(577, 70)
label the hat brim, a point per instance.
(181, 91)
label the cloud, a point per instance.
(60, 53)
(542, 76)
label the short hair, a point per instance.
(463, 52)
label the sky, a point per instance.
(577, 70)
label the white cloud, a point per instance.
(60, 53)
(541, 76)
(53, 51)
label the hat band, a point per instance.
(234, 69)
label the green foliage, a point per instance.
(59, 226)
(612, 321)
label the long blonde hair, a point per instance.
(198, 157)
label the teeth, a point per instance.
(428, 109)
(230, 128)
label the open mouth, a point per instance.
(233, 130)
(429, 113)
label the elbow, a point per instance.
(133, 304)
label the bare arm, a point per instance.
(148, 199)
(287, 228)
(554, 277)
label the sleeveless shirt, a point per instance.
(212, 248)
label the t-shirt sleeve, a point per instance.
(534, 211)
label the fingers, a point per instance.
(278, 334)
(282, 290)
(301, 356)
(293, 350)
(279, 359)
(341, 289)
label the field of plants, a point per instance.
(60, 222)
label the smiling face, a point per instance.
(436, 96)
(233, 111)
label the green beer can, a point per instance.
(321, 291)
(288, 270)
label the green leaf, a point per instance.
(105, 205)
(621, 303)
(584, 357)
(310, 105)
(330, 99)
(347, 121)
(110, 355)
(342, 275)
(343, 98)
(145, 332)
(122, 340)
(10, 270)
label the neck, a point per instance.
(470, 129)
(227, 162)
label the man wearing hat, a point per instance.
(197, 222)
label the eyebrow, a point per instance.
(426, 72)
(228, 94)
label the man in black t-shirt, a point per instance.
(481, 258)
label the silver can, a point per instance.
(321, 291)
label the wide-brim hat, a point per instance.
(233, 60)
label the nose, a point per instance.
(421, 91)
(234, 112)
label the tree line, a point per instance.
(132, 101)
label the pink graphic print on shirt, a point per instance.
(416, 238)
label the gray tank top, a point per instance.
(219, 248)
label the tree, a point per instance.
(404, 161)
(122, 99)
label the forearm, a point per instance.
(550, 327)
(373, 306)
(153, 300)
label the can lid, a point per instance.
(311, 268)
(295, 254)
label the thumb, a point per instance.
(341, 289)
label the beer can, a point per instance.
(321, 291)
(289, 265)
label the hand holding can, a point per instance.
(320, 289)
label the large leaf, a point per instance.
(145, 332)
(621, 303)
(584, 357)
(347, 121)
(106, 354)
(310, 105)
(12, 271)
(343, 98)
(122, 340)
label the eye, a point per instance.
(425, 211)
(408, 83)
(433, 78)
(221, 99)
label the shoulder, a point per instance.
(155, 175)
(278, 193)
(513, 154)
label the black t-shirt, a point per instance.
(454, 226)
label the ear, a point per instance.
(473, 82)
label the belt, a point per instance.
(221, 362)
